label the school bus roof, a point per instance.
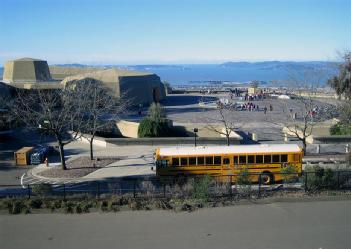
(234, 149)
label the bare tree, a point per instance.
(226, 119)
(300, 120)
(101, 108)
(57, 112)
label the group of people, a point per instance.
(249, 106)
(254, 97)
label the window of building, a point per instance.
(284, 158)
(184, 161)
(250, 159)
(267, 159)
(175, 161)
(209, 160)
(192, 160)
(226, 160)
(242, 159)
(217, 160)
(200, 161)
(259, 159)
(276, 158)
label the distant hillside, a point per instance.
(279, 65)
(1, 72)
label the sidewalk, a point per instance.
(135, 161)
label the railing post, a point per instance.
(134, 188)
(164, 190)
(64, 192)
(28, 191)
(259, 185)
(306, 181)
(98, 190)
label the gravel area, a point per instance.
(78, 167)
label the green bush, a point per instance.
(340, 129)
(104, 206)
(35, 203)
(16, 206)
(243, 177)
(289, 174)
(153, 128)
(68, 207)
(78, 208)
(318, 178)
(201, 187)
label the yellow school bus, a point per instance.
(264, 159)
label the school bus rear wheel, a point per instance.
(267, 178)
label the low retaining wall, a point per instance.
(170, 141)
(333, 139)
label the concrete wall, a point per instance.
(127, 128)
(169, 141)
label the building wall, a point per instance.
(141, 89)
(29, 71)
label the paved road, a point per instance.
(280, 225)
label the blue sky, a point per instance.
(179, 31)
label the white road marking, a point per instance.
(22, 180)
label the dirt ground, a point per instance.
(78, 167)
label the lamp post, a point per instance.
(195, 131)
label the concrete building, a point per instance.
(138, 87)
(28, 73)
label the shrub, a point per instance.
(340, 129)
(243, 177)
(42, 189)
(68, 207)
(318, 177)
(16, 206)
(104, 205)
(156, 112)
(153, 128)
(201, 187)
(79, 208)
(35, 203)
(57, 204)
(289, 173)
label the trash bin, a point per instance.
(22, 156)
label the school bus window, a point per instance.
(175, 161)
(184, 161)
(242, 159)
(250, 159)
(259, 159)
(209, 160)
(267, 159)
(192, 160)
(276, 158)
(200, 161)
(235, 159)
(284, 158)
(217, 160)
(226, 160)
